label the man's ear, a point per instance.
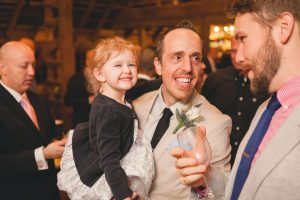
(3, 68)
(286, 22)
(98, 75)
(157, 65)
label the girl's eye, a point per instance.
(131, 65)
(118, 65)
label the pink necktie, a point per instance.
(29, 110)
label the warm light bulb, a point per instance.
(231, 28)
(226, 29)
(216, 29)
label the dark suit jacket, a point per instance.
(229, 92)
(142, 86)
(77, 97)
(19, 175)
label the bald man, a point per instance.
(27, 131)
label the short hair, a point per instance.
(102, 54)
(184, 24)
(266, 10)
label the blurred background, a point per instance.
(63, 30)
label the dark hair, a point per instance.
(266, 10)
(184, 24)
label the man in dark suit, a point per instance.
(77, 94)
(147, 81)
(27, 131)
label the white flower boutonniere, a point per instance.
(188, 117)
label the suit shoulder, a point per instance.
(144, 98)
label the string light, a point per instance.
(216, 29)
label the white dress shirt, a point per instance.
(157, 112)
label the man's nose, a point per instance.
(31, 70)
(187, 65)
(239, 57)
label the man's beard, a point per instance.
(265, 65)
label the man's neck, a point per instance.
(170, 101)
(13, 92)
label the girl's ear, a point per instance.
(98, 75)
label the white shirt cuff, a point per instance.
(40, 159)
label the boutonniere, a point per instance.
(188, 117)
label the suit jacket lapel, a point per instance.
(16, 109)
(144, 109)
(166, 140)
(241, 148)
(169, 137)
(286, 138)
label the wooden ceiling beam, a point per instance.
(49, 19)
(17, 12)
(167, 15)
(106, 14)
(158, 2)
(84, 19)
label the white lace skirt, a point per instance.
(138, 164)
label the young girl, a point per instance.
(107, 158)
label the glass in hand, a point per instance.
(196, 146)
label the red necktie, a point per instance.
(29, 110)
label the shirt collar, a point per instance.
(288, 94)
(161, 105)
(14, 93)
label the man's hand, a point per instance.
(189, 169)
(134, 196)
(54, 149)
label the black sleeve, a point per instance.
(76, 94)
(18, 163)
(108, 128)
